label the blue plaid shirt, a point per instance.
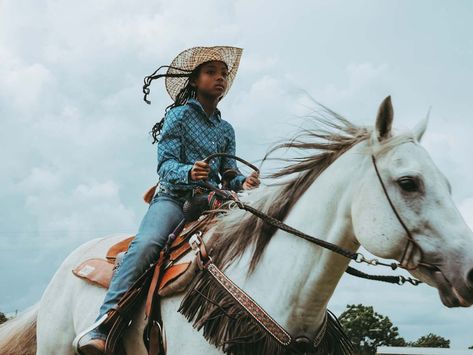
(188, 135)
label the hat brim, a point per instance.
(191, 58)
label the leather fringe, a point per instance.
(228, 326)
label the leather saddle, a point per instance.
(177, 272)
(99, 271)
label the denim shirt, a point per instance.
(188, 135)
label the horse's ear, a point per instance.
(384, 120)
(421, 127)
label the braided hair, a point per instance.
(187, 92)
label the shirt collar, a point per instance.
(196, 104)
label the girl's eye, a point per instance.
(409, 183)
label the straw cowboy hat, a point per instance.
(178, 71)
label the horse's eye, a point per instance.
(409, 184)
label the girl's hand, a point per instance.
(200, 171)
(251, 181)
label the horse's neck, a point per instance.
(295, 279)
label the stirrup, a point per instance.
(75, 342)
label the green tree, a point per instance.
(471, 347)
(3, 318)
(367, 329)
(431, 341)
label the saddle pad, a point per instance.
(96, 271)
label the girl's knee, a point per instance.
(146, 246)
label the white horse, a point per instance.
(336, 195)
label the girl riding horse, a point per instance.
(192, 128)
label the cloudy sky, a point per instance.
(77, 156)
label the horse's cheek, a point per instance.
(374, 228)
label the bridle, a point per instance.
(411, 244)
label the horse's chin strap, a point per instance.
(407, 259)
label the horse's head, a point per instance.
(441, 249)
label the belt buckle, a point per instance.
(167, 191)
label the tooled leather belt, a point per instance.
(181, 193)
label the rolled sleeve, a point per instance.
(170, 166)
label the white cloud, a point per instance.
(23, 85)
(40, 179)
(367, 80)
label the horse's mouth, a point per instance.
(449, 295)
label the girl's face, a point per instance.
(212, 79)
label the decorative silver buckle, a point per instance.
(194, 241)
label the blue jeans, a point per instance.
(162, 217)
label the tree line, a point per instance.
(3, 318)
(368, 330)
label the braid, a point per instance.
(186, 93)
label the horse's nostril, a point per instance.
(469, 277)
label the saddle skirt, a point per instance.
(179, 270)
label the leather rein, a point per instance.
(355, 256)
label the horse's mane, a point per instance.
(330, 137)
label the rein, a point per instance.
(355, 256)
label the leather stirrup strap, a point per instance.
(154, 328)
(154, 284)
(120, 317)
(153, 311)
